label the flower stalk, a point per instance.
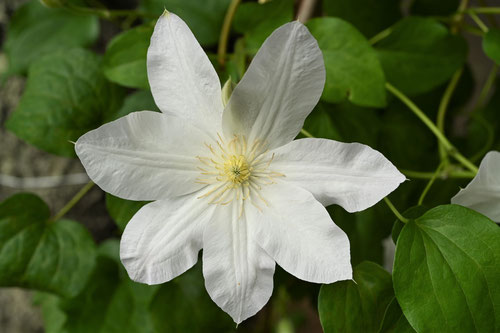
(226, 29)
(443, 106)
(73, 201)
(395, 211)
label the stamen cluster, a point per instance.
(235, 170)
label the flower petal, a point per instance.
(182, 79)
(297, 232)
(483, 193)
(280, 88)
(143, 156)
(351, 175)
(238, 273)
(163, 239)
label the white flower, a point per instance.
(231, 180)
(483, 193)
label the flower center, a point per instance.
(235, 170)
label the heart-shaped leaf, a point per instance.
(40, 254)
(353, 71)
(66, 96)
(420, 54)
(36, 30)
(124, 64)
(446, 271)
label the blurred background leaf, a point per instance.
(66, 96)
(36, 30)
(41, 254)
(353, 71)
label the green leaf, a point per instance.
(36, 30)
(121, 210)
(110, 302)
(359, 306)
(491, 44)
(66, 96)
(140, 100)
(40, 254)
(125, 59)
(353, 71)
(257, 21)
(420, 54)
(394, 320)
(204, 18)
(368, 16)
(183, 305)
(446, 271)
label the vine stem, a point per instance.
(482, 10)
(381, 35)
(479, 22)
(429, 184)
(395, 211)
(73, 201)
(306, 133)
(450, 149)
(224, 33)
(487, 86)
(443, 106)
(429, 175)
(106, 13)
(459, 16)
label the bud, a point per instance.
(227, 90)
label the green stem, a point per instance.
(226, 29)
(395, 211)
(107, 13)
(381, 35)
(459, 16)
(483, 10)
(446, 174)
(73, 201)
(420, 114)
(429, 184)
(306, 133)
(443, 106)
(479, 22)
(487, 87)
(491, 18)
(472, 29)
(450, 149)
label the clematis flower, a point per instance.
(483, 193)
(230, 180)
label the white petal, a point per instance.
(238, 273)
(297, 232)
(351, 175)
(163, 239)
(143, 156)
(483, 193)
(280, 88)
(182, 79)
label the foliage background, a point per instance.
(293, 305)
